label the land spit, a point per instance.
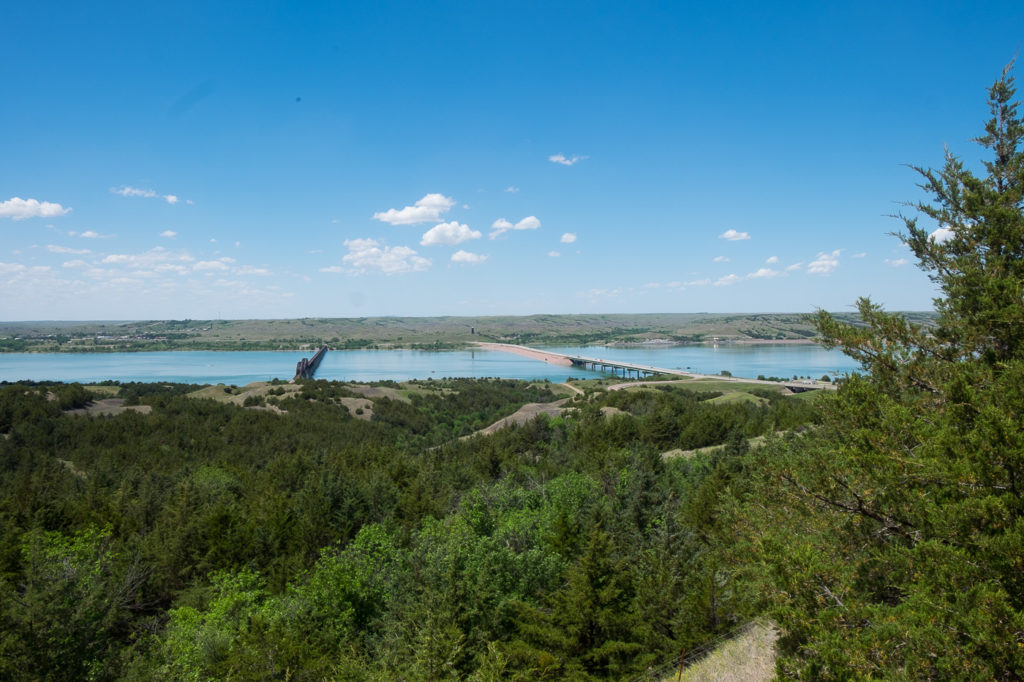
(550, 358)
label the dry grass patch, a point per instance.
(360, 408)
(748, 657)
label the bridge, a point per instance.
(631, 369)
(306, 367)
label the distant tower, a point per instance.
(472, 330)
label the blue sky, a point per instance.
(267, 160)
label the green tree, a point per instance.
(893, 546)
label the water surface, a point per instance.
(242, 367)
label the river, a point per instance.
(242, 367)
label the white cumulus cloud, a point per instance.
(467, 257)
(209, 265)
(941, 235)
(734, 236)
(450, 234)
(170, 234)
(53, 248)
(566, 160)
(17, 208)
(720, 259)
(127, 191)
(764, 273)
(512, 189)
(553, 254)
(897, 262)
(430, 207)
(825, 263)
(368, 254)
(772, 260)
(501, 226)
(568, 238)
(727, 280)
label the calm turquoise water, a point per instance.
(242, 367)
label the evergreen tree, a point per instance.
(894, 546)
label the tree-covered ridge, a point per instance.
(420, 333)
(209, 540)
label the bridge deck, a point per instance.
(647, 370)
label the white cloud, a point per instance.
(171, 267)
(52, 248)
(720, 259)
(74, 264)
(727, 280)
(553, 254)
(699, 282)
(501, 226)
(367, 254)
(512, 189)
(896, 263)
(772, 260)
(825, 263)
(604, 292)
(127, 191)
(566, 161)
(147, 259)
(430, 207)
(90, 234)
(764, 273)
(209, 265)
(795, 266)
(652, 285)
(251, 270)
(17, 208)
(332, 268)
(170, 234)
(467, 257)
(859, 255)
(734, 236)
(11, 267)
(450, 234)
(568, 238)
(943, 234)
